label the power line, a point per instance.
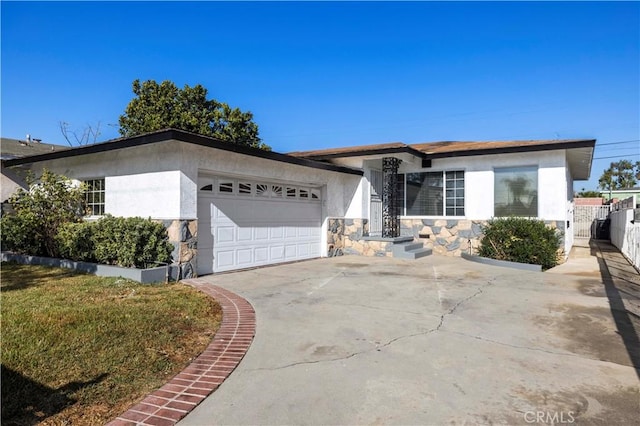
(608, 149)
(617, 156)
(617, 142)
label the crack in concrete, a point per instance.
(451, 310)
(378, 308)
(528, 348)
(378, 347)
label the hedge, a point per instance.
(127, 242)
(522, 240)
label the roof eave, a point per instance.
(587, 143)
(368, 153)
(180, 136)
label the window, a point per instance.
(244, 188)
(262, 189)
(431, 193)
(454, 193)
(94, 197)
(225, 186)
(516, 191)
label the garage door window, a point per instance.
(246, 188)
(262, 190)
(225, 187)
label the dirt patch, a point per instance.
(584, 406)
(592, 288)
(351, 265)
(592, 331)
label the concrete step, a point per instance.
(404, 247)
(414, 254)
(410, 250)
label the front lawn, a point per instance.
(80, 349)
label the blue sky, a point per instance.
(327, 74)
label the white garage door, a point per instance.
(245, 223)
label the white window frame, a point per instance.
(90, 194)
(444, 195)
(528, 167)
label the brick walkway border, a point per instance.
(185, 391)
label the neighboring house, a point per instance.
(229, 207)
(13, 178)
(588, 201)
(620, 194)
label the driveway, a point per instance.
(356, 340)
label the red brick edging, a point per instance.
(174, 400)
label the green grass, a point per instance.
(79, 349)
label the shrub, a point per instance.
(75, 241)
(38, 213)
(127, 242)
(520, 240)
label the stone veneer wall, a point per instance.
(346, 234)
(445, 236)
(449, 237)
(184, 236)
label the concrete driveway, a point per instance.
(356, 340)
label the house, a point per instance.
(620, 194)
(588, 201)
(13, 178)
(229, 207)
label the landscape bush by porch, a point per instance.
(520, 240)
(128, 242)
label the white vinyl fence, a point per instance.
(625, 230)
(584, 218)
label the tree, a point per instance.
(89, 134)
(38, 213)
(620, 175)
(588, 194)
(160, 106)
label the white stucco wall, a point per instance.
(160, 180)
(156, 195)
(568, 235)
(479, 180)
(10, 182)
(341, 189)
(626, 235)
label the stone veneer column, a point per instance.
(390, 214)
(184, 236)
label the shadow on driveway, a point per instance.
(617, 288)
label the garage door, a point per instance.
(247, 223)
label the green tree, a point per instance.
(621, 174)
(160, 106)
(38, 213)
(588, 194)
